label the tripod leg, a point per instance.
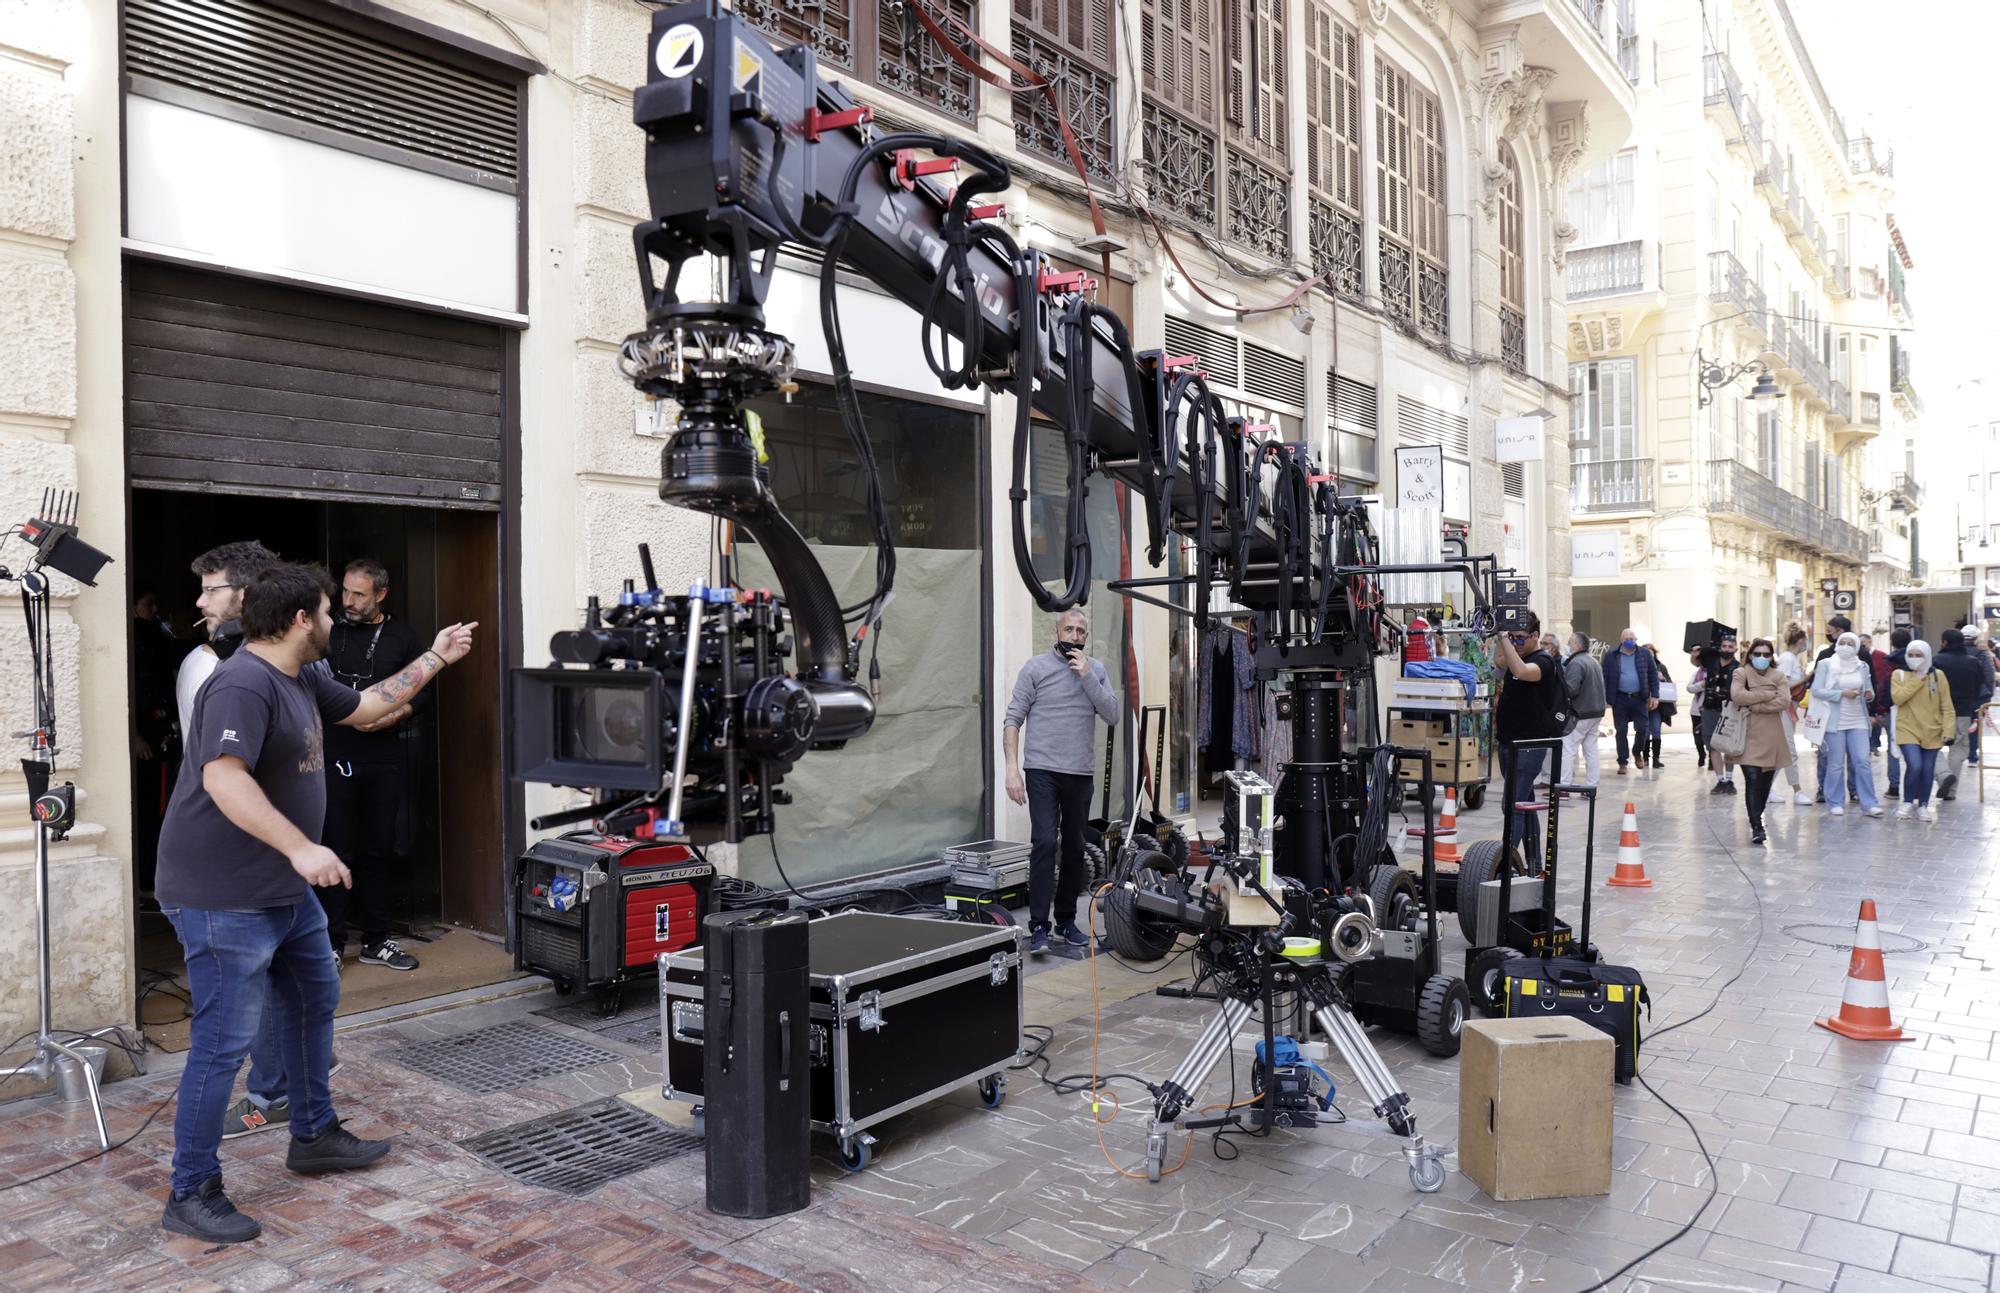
(1391, 1105)
(90, 1084)
(1178, 1091)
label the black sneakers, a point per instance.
(334, 1150)
(209, 1216)
(387, 953)
(1948, 787)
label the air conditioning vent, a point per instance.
(1421, 423)
(1273, 377)
(1218, 350)
(1353, 403)
(1513, 480)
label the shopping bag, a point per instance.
(1732, 732)
(1812, 725)
(1668, 692)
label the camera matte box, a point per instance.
(1700, 634)
(1534, 1108)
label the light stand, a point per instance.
(57, 547)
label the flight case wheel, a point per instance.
(1427, 1175)
(855, 1153)
(993, 1091)
(1484, 975)
(1441, 1012)
(1472, 796)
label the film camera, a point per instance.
(677, 711)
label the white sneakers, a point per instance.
(1837, 811)
(1802, 798)
(1872, 812)
(1927, 813)
(1905, 812)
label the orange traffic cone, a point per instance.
(1445, 849)
(1631, 872)
(1864, 1006)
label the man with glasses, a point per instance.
(224, 573)
(365, 776)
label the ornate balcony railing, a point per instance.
(1741, 491)
(1907, 490)
(1178, 164)
(1513, 339)
(1088, 101)
(1730, 285)
(1840, 403)
(1614, 485)
(1337, 247)
(1257, 207)
(1610, 270)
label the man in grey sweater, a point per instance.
(1066, 692)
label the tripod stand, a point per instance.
(54, 808)
(1314, 980)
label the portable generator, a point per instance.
(592, 911)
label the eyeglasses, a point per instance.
(216, 588)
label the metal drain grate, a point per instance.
(643, 1032)
(577, 1150)
(1841, 938)
(502, 1057)
(641, 1001)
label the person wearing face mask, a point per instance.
(1835, 626)
(1761, 693)
(1922, 720)
(1844, 684)
(1969, 682)
(1718, 664)
(1529, 695)
(1634, 686)
(1791, 665)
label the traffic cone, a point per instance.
(1631, 872)
(1864, 1006)
(1445, 849)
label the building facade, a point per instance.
(353, 319)
(1743, 417)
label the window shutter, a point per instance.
(384, 102)
(1080, 27)
(1392, 148)
(1333, 140)
(1235, 61)
(1177, 55)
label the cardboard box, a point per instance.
(1411, 733)
(1534, 1108)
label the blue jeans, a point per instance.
(236, 962)
(1895, 764)
(1527, 766)
(1847, 754)
(1919, 771)
(1628, 708)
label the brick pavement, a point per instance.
(1843, 1165)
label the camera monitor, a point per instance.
(598, 728)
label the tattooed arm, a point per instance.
(394, 692)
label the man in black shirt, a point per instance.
(238, 852)
(1529, 694)
(365, 774)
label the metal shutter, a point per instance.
(317, 79)
(253, 388)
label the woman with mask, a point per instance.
(1921, 722)
(1791, 664)
(1843, 684)
(1761, 692)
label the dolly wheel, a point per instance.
(854, 1154)
(1472, 796)
(1488, 972)
(1427, 1175)
(1095, 869)
(993, 1091)
(1482, 863)
(1441, 1012)
(1392, 892)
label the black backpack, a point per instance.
(1558, 701)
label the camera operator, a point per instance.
(1531, 695)
(1066, 692)
(224, 573)
(1720, 663)
(365, 776)
(237, 853)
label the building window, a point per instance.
(1409, 175)
(1602, 200)
(1604, 429)
(1513, 275)
(1257, 189)
(869, 39)
(1177, 129)
(1071, 43)
(1333, 148)
(1354, 420)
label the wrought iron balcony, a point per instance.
(1611, 270)
(1592, 12)
(1722, 94)
(1868, 409)
(1730, 286)
(1899, 375)
(1906, 490)
(1740, 491)
(1614, 485)
(1865, 157)
(1840, 403)
(1805, 360)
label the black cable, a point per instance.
(90, 1158)
(1713, 1184)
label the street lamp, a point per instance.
(1715, 376)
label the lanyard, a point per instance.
(367, 660)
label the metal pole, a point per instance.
(685, 725)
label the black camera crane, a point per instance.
(749, 149)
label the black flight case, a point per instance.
(904, 1009)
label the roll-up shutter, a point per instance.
(248, 387)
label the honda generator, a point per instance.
(593, 911)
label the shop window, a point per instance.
(915, 784)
